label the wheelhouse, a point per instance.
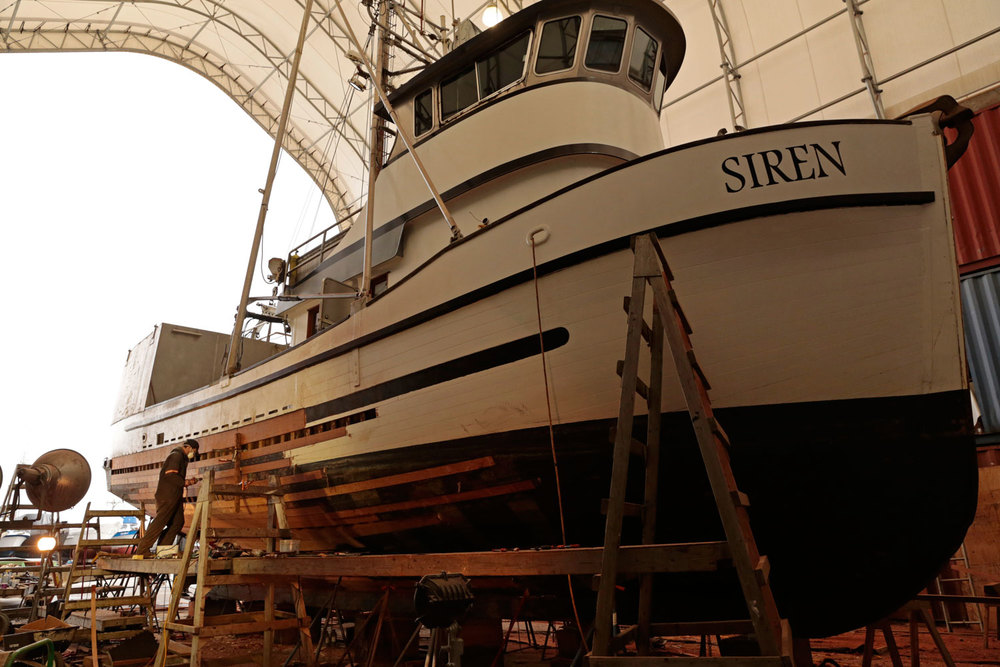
(636, 46)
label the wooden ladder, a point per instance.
(200, 626)
(772, 633)
(97, 599)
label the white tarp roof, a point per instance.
(796, 59)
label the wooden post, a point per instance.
(269, 619)
(178, 585)
(93, 626)
(619, 473)
(653, 405)
(305, 638)
(201, 591)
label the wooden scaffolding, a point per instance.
(201, 626)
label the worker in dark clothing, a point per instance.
(169, 519)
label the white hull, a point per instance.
(845, 302)
(827, 291)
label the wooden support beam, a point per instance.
(695, 556)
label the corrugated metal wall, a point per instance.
(975, 191)
(981, 311)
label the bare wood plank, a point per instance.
(125, 601)
(393, 480)
(698, 556)
(309, 476)
(445, 499)
(246, 628)
(155, 565)
(215, 533)
(109, 542)
(695, 556)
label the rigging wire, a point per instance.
(552, 435)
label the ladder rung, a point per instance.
(629, 509)
(647, 332)
(719, 432)
(696, 367)
(640, 386)
(680, 311)
(763, 571)
(124, 601)
(740, 499)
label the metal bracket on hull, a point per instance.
(772, 632)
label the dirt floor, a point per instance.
(965, 646)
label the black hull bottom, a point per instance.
(856, 503)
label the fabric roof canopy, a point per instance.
(795, 59)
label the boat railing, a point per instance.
(313, 251)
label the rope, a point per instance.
(552, 436)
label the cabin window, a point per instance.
(423, 113)
(380, 284)
(502, 67)
(557, 45)
(607, 42)
(642, 64)
(458, 92)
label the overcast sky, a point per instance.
(129, 189)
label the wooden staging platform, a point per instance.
(697, 556)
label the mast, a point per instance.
(232, 358)
(377, 150)
(401, 132)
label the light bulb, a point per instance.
(492, 16)
(47, 543)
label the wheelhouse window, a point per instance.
(423, 113)
(503, 67)
(557, 45)
(642, 64)
(458, 92)
(607, 42)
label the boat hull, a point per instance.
(825, 314)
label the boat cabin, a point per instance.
(551, 95)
